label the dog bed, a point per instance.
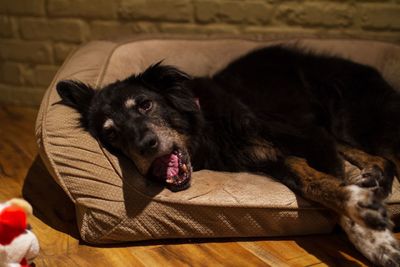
(116, 204)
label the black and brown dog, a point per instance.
(282, 111)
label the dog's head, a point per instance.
(149, 117)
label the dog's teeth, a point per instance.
(170, 180)
(184, 168)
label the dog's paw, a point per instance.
(365, 208)
(384, 248)
(388, 255)
(375, 180)
(380, 247)
(369, 177)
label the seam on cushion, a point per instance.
(116, 226)
(100, 77)
(103, 233)
(318, 210)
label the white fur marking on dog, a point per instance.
(380, 247)
(357, 195)
(130, 102)
(108, 124)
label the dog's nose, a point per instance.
(148, 144)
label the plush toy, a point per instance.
(18, 245)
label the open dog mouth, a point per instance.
(172, 169)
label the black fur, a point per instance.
(301, 102)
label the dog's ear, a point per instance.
(171, 83)
(164, 76)
(75, 94)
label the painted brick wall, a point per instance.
(37, 35)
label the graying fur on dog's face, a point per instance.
(169, 139)
(124, 127)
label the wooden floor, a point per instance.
(21, 170)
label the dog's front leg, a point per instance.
(362, 214)
(379, 246)
(377, 173)
(358, 203)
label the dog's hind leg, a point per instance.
(358, 203)
(377, 173)
(380, 247)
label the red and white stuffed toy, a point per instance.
(18, 245)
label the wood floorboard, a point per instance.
(21, 170)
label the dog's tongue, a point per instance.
(172, 170)
(166, 166)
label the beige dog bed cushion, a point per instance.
(115, 204)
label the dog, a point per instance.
(279, 110)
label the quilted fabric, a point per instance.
(115, 204)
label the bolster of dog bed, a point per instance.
(116, 204)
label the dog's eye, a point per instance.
(145, 105)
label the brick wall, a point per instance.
(37, 35)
